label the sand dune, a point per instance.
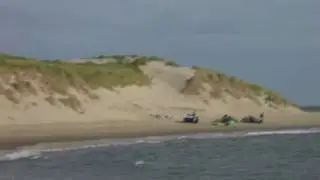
(162, 96)
(33, 92)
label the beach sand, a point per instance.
(18, 135)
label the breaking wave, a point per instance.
(24, 154)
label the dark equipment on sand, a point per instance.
(225, 120)
(253, 119)
(191, 118)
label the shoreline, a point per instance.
(13, 137)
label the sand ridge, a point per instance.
(31, 112)
(163, 96)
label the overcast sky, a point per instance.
(275, 43)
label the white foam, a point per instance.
(138, 163)
(20, 155)
(36, 153)
(296, 131)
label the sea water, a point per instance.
(270, 155)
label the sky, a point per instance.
(274, 43)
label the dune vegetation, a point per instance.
(221, 84)
(138, 60)
(57, 76)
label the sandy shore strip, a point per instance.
(18, 135)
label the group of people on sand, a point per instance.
(261, 116)
(226, 119)
(194, 118)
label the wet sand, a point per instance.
(17, 135)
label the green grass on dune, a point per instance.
(59, 75)
(138, 60)
(222, 83)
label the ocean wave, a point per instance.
(36, 153)
(16, 155)
(295, 131)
